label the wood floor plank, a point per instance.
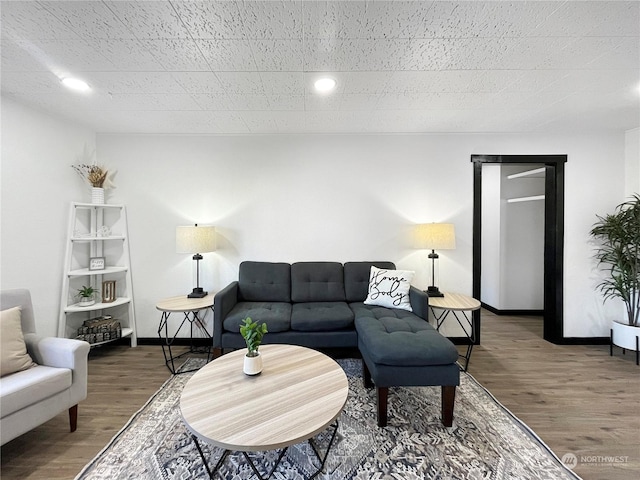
(577, 399)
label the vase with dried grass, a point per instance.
(99, 179)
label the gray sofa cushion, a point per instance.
(321, 316)
(264, 282)
(277, 315)
(356, 278)
(317, 282)
(381, 333)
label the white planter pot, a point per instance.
(625, 336)
(97, 195)
(86, 302)
(252, 365)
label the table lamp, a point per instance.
(436, 236)
(196, 240)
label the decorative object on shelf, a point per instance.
(100, 329)
(108, 291)
(435, 236)
(196, 240)
(98, 177)
(96, 263)
(619, 252)
(252, 334)
(86, 294)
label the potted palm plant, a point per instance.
(86, 295)
(252, 334)
(619, 251)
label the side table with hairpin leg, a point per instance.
(193, 309)
(457, 305)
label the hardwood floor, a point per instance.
(576, 398)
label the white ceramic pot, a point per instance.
(97, 195)
(624, 335)
(86, 302)
(252, 365)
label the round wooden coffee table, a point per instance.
(300, 393)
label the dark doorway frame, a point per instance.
(553, 236)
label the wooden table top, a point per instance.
(299, 393)
(184, 304)
(454, 301)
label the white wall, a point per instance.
(37, 185)
(285, 198)
(289, 198)
(342, 198)
(632, 161)
(491, 291)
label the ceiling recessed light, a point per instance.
(325, 84)
(76, 84)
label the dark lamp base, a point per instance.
(434, 292)
(198, 293)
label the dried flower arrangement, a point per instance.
(96, 176)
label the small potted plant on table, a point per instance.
(252, 334)
(86, 296)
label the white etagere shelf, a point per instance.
(97, 230)
(76, 307)
(90, 239)
(85, 271)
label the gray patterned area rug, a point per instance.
(485, 442)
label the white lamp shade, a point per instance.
(436, 236)
(195, 239)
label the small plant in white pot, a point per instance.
(86, 295)
(252, 334)
(619, 251)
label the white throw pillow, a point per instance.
(13, 350)
(390, 288)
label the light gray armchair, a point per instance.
(31, 397)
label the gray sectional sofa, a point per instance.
(322, 305)
(313, 304)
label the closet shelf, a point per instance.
(528, 173)
(525, 199)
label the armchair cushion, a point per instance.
(27, 388)
(13, 350)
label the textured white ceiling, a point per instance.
(248, 66)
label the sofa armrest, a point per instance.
(224, 301)
(63, 353)
(57, 352)
(419, 302)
